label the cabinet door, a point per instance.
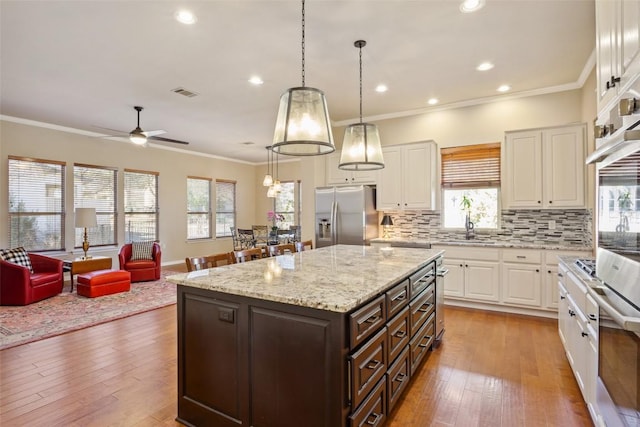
(418, 176)
(606, 16)
(550, 287)
(629, 39)
(335, 175)
(563, 172)
(389, 188)
(523, 169)
(563, 314)
(482, 280)
(454, 281)
(521, 284)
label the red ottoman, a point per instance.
(103, 282)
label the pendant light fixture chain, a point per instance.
(359, 44)
(303, 28)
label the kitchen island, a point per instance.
(328, 337)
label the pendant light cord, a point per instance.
(360, 48)
(303, 28)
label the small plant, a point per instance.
(274, 218)
(465, 203)
(624, 201)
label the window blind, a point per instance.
(140, 205)
(471, 166)
(96, 187)
(225, 207)
(198, 208)
(36, 204)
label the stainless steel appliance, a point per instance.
(441, 272)
(617, 265)
(345, 215)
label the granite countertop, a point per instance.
(409, 242)
(335, 278)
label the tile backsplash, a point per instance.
(572, 227)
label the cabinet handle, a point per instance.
(560, 275)
(584, 334)
(562, 297)
(592, 317)
(424, 308)
(539, 202)
(400, 377)
(537, 270)
(461, 265)
(549, 271)
(372, 319)
(399, 297)
(400, 334)
(466, 265)
(612, 83)
(374, 364)
(376, 419)
(521, 257)
(550, 201)
(572, 313)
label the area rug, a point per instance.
(68, 312)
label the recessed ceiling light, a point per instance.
(381, 88)
(432, 101)
(468, 6)
(504, 88)
(255, 80)
(485, 66)
(186, 17)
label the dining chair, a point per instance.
(296, 233)
(260, 234)
(209, 261)
(274, 250)
(301, 246)
(247, 255)
(246, 238)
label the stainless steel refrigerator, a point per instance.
(345, 215)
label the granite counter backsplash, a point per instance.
(518, 228)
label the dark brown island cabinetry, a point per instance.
(245, 361)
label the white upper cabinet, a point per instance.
(617, 47)
(337, 176)
(545, 168)
(408, 180)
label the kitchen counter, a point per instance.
(336, 278)
(401, 242)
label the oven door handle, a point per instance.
(627, 323)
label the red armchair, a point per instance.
(141, 270)
(18, 286)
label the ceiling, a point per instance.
(86, 64)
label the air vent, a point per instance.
(184, 92)
(247, 143)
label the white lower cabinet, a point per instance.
(521, 277)
(474, 273)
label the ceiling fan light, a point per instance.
(303, 127)
(137, 137)
(361, 148)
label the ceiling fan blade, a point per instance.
(153, 132)
(118, 131)
(158, 138)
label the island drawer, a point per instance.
(421, 342)
(367, 320)
(398, 378)
(398, 334)
(421, 308)
(421, 279)
(397, 298)
(373, 412)
(368, 365)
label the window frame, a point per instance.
(234, 211)
(297, 202)
(200, 213)
(133, 214)
(19, 215)
(78, 235)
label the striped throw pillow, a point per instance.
(141, 250)
(17, 256)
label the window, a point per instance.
(140, 205)
(96, 187)
(225, 207)
(286, 202)
(470, 183)
(36, 204)
(198, 208)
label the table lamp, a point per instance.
(386, 223)
(86, 218)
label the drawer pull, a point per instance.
(424, 345)
(592, 317)
(400, 297)
(400, 334)
(372, 319)
(572, 313)
(375, 420)
(584, 334)
(424, 308)
(400, 377)
(374, 364)
(521, 257)
(562, 297)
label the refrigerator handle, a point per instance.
(334, 224)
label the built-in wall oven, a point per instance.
(617, 214)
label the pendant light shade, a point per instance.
(303, 127)
(268, 179)
(361, 148)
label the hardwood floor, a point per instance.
(493, 369)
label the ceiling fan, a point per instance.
(140, 137)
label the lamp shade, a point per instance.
(361, 148)
(86, 218)
(302, 126)
(386, 220)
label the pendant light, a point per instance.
(268, 179)
(277, 186)
(361, 145)
(303, 126)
